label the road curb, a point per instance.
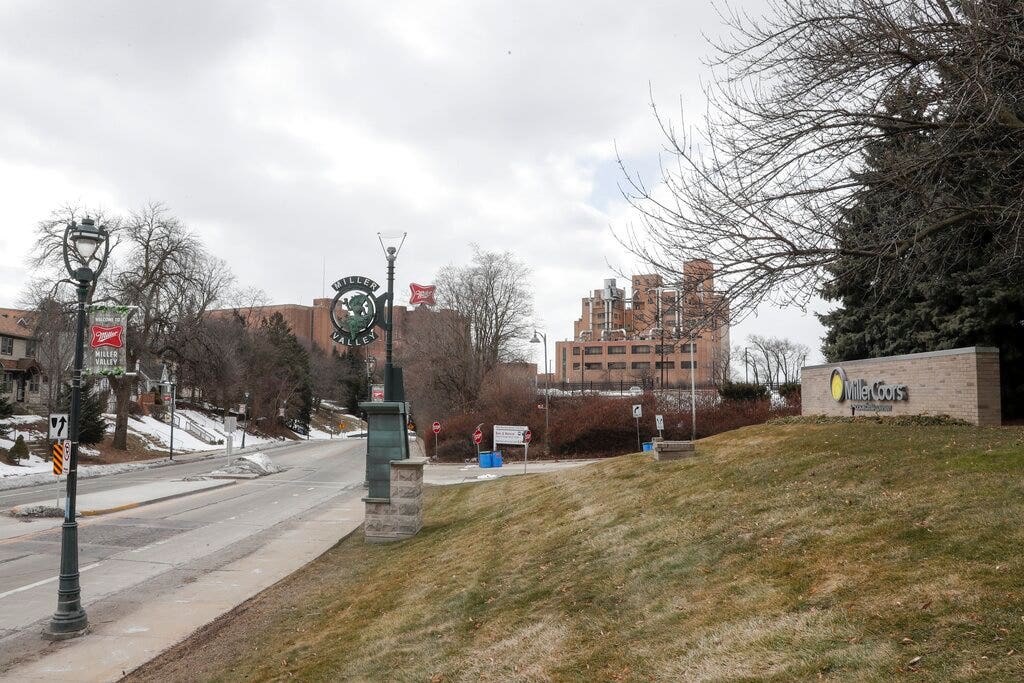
(130, 506)
(142, 503)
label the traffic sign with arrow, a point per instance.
(58, 426)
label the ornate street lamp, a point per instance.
(538, 338)
(86, 248)
(391, 243)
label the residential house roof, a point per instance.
(17, 323)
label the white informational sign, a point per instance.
(230, 424)
(659, 422)
(377, 393)
(509, 434)
(638, 411)
(58, 426)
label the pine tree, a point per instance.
(6, 411)
(937, 296)
(293, 360)
(92, 426)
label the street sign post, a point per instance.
(638, 412)
(478, 436)
(659, 422)
(58, 426)
(527, 438)
(436, 428)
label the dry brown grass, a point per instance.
(785, 552)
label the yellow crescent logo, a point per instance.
(837, 384)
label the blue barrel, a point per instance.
(648, 446)
(496, 460)
(486, 459)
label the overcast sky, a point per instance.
(284, 133)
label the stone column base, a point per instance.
(399, 516)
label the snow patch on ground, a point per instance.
(253, 464)
(31, 465)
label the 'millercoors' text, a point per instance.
(859, 390)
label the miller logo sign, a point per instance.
(355, 310)
(844, 389)
(421, 294)
(107, 340)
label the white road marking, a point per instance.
(44, 581)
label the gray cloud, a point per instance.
(286, 133)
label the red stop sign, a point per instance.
(478, 436)
(437, 427)
(527, 435)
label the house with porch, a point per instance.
(21, 376)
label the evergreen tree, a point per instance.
(6, 411)
(292, 360)
(92, 426)
(937, 295)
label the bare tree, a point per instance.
(157, 266)
(775, 361)
(493, 295)
(798, 96)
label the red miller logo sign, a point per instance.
(422, 294)
(107, 336)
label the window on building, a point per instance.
(30, 348)
(641, 349)
(6, 382)
(33, 383)
(640, 365)
(668, 365)
(617, 366)
(688, 364)
(592, 366)
(616, 350)
(593, 351)
(575, 350)
(687, 348)
(666, 349)
(575, 366)
(7, 346)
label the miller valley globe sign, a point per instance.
(845, 389)
(355, 310)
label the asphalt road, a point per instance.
(137, 555)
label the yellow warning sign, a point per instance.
(58, 458)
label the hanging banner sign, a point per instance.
(106, 340)
(422, 294)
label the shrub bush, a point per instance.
(19, 451)
(743, 391)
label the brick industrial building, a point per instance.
(656, 336)
(312, 324)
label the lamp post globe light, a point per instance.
(86, 248)
(541, 338)
(391, 243)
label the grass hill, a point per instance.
(782, 552)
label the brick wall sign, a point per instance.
(960, 383)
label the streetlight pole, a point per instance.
(538, 337)
(81, 243)
(174, 399)
(245, 417)
(391, 253)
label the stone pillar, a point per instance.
(400, 515)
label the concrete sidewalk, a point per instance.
(455, 473)
(112, 648)
(131, 496)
